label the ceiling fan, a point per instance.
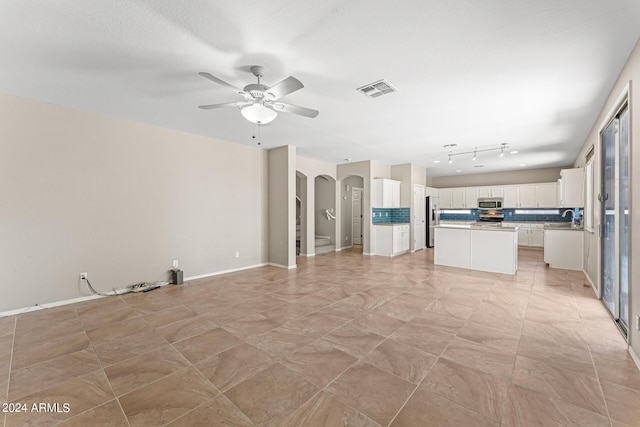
(262, 103)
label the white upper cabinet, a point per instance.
(528, 196)
(547, 195)
(446, 198)
(457, 198)
(490, 191)
(386, 193)
(471, 198)
(511, 197)
(572, 188)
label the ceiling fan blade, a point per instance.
(227, 104)
(222, 82)
(292, 109)
(285, 87)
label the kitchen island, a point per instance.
(481, 247)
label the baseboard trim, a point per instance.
(217, 273)
(366, 254)
(595, 290)
(343, 248)
(635, 357)
(49, 305)
(92, 297)
(308, 255)
(286, 267)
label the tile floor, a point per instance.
(343, 340)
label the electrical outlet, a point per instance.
(83, 276)
(346, 237)
(176, 263)
(237, 254)
(638, 322)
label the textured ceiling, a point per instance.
(533, 74)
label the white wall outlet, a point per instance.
(237, 254)
(176, 263)
(346, 237)
(638, 322)
(83, 276)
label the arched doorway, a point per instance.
(301, 213)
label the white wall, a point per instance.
(630, 75)
(120, 200)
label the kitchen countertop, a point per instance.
(563, 228)
(394, 223)
(479, 227)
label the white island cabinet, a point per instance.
(477, 247)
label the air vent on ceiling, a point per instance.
(376, 89)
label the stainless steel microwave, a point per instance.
(490, 203)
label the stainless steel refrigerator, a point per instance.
(433, 219)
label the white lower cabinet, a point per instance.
(563, 249)
(391, 240)
(531, 235)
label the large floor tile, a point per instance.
(526, 407)
(281, 341)
(233, 366)
(353, 340)
(204, 345)
(319, 362)
(110, 414)
(419, 334)
(80, 393)
(474, 389)
(622, 403)
(558, 383)
(141, 370)
(426, 408)
(164, 400)
(47, 374)
(218, 412)
(478, 356)
(401, 360)
(325, 410)
(271, 396)
(372, 391)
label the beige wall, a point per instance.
(530, 176)
(630, 73)
(402, 173)
(82, 192)
(282, 210)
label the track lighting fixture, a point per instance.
(475, 152)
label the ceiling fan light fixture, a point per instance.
(257, 113)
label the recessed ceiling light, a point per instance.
(458, 170)
(522, 164)
(514, 152)
(436, 161)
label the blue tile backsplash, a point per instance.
(391, 215)
(510, 215)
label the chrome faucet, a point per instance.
(564, 214)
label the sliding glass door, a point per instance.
(614, 199)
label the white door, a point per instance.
(356, 213)
(419, 217)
